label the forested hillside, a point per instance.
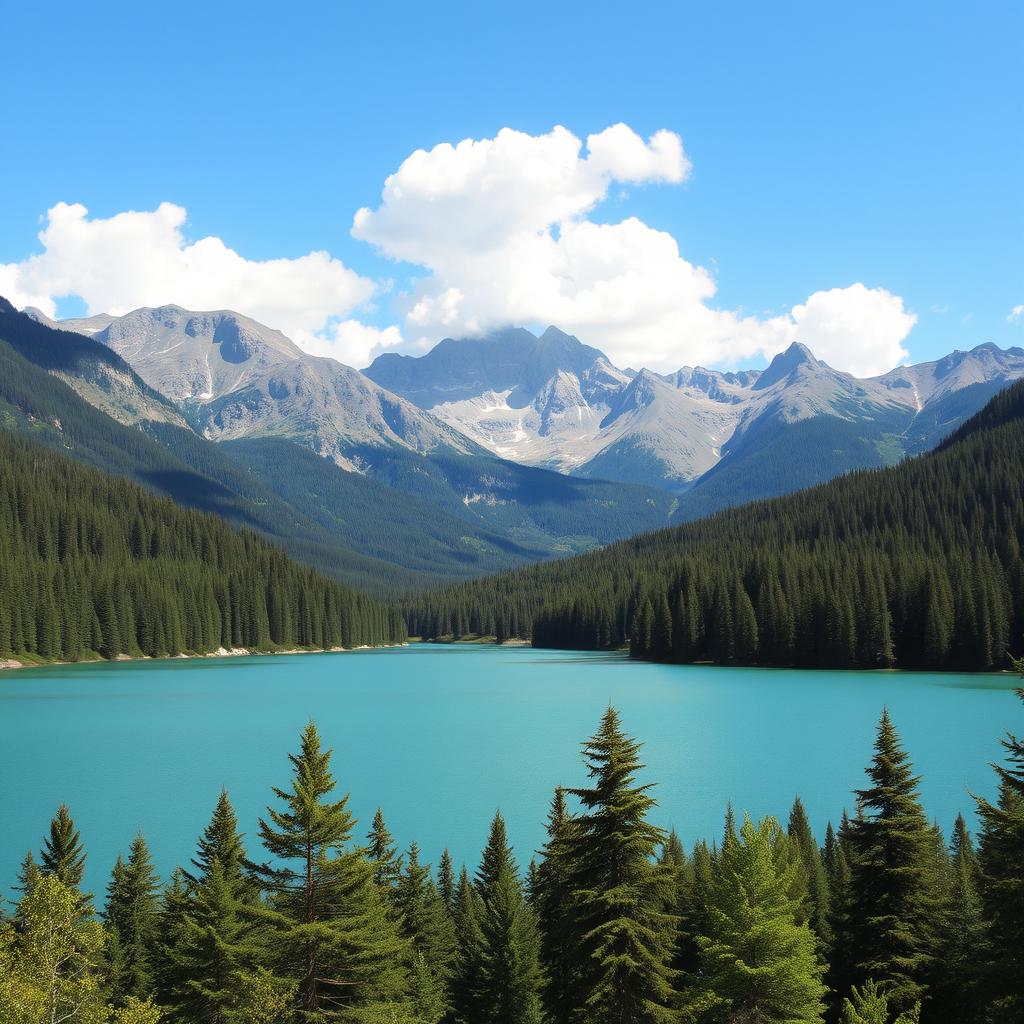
(916, 566)
(93, 565)
(613, 923)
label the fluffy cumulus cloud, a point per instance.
(143, 258)
(505, 228)
(505, 231)
(1016, 314)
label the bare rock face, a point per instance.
(232, 377)
(553, 401)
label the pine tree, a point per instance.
(890, 920)
(175, 903)
(329, 926)
(552, 899)
(63, 855)
(382, 851)
(621, 933)
(131, 918)
(220, 841)
(446, 882)
(799, 832)
(1001, 854)
(963, 934)
(215, 950)
(469, 938)
(509, 978)
(757, 959)
(425, 922)
(870, 1005)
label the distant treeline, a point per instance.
(95, 565)
(614, 923)
(915, 566)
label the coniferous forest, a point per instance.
(92, 565)
(915, 566)
(613, 922)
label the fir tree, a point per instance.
(220, 841)
(381, 849)
(1001, 854)
(757, 959)
(799, 832)
(466, 983)
(215, 949)
(621, 933)
(131, 917)
(425, 922)
(870, 1005)
(891, 916)
(446, 882)
(63, 855)
(329, 926)
(552, 900)
(509, 975)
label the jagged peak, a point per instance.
(785, 364)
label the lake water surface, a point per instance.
(442, 736)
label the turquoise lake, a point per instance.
(440, 737)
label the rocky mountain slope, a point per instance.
(556, 402)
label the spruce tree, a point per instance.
(63, 855)
(446, 882)
(381, 849)
(131, 916)
(220, 841)
(425, 922)
(1001, 854)
(799, 832)
(890, 921)
(870, 1005)
(466, 986)
(329, 927)
(509, 978)
(962, 940)
(757, 959)
(552, 900)
(215, 950)
(621, 934)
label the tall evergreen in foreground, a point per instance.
(63, 854)
(893, 909)
(509, 979)
(621, 933)
(329, 927)
(1001, 857)
(131, 917)
(757, 960)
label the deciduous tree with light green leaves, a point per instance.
(48, 959)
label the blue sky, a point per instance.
(829, 145)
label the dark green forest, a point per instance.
(612, 922)
(92, 565)
(914, 566)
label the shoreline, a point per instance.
(13, 664)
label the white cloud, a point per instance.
(142, 258)
(1016, 314)
(503, 227)
(856, 329)
(352, 342)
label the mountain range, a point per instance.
(486, 452)
(553, 401)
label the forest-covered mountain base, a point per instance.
(95, 566)
(915, 566)
(886, 923)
